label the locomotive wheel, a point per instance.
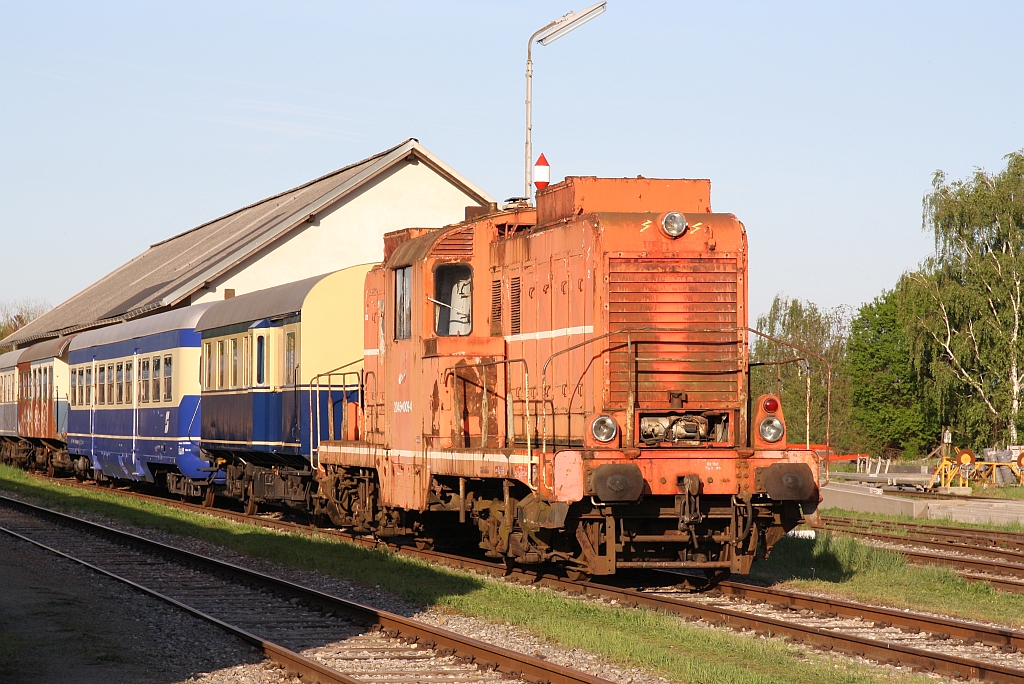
(576, 575)
(209, 498)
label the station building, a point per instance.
(332, 222)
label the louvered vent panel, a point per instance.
(514, 295)
(458, 244)
(495, 308)
(692, 296)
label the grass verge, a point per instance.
(637, 638)
(843, 566)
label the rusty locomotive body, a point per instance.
(569, 382)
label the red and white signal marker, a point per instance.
(541, 172)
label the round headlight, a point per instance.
(604, 429)
(674, 224)
(771, 429)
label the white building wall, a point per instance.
(351, 232)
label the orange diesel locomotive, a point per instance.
(570, 383)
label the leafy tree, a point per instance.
(14, 315)
(823, 332)
(889, 406)
(964, 306)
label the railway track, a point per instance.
(984, 555)
(317, 636)
(995, 544)
(928, 643)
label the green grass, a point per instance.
(639, 638)
(882, 517)
(843, 566)
(1009, 492)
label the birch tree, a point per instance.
(964, 304)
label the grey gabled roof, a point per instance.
(171, 271)
(254, 306)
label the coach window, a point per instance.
(403, 303)
(120, 383)
(74, 387)
(83, 394)
(88, 386)
(156, 378)
(167, 378)
(289, 358)
(110, 384)
(246, 361)
(144, 381)
(222, 362)
(129, 380)
(208, 361)
(101, 385)
(234, 362)
(453, 300)
(261, 357)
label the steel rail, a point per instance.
(826, 639)
(484, 655)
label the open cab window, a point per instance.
(453, 300)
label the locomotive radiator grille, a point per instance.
(694, 294)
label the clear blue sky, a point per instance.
(819, 124)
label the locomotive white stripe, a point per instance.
(548, 334)
(521, 459)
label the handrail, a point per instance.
(630, 331)
(315, 381)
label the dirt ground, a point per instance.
(61, 622)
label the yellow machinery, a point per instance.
(964, 468)
(955, 471)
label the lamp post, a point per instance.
(549, 34)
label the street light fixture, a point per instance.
(545, 36)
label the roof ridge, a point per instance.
(286, 192)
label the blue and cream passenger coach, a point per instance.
(135, 400)
(263, 354)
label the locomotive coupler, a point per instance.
(688, 500)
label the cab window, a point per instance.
(453, 300)
(403, 303)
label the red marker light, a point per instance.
(771, 404)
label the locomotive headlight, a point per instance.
(604, 429)
(771, 429)
(674, 224)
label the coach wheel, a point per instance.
(50, 470)
(250, 502)
(424, 544)
(209, 498)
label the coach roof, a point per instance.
(10, 359)
(171, 272)
(46, 350)
(273, 302)
(179, 319)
